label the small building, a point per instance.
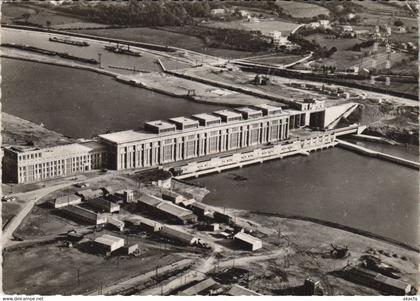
(167, 209)
(172, 196)
(132, 249)
(84, 214)
(200, 288)
(146, 224)
(217, 11)
(222, 217)
(115, 223)
(159, 126)
(109, 243)
(249, 113)
(377, 281)
(247, 241)
(199, 209)
(67, 200)
(88, 194)
(237, 290)
(347, 28)
(179, 235)
(103, 205)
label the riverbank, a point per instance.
(18, 131)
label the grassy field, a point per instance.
(165, 36)
(265, 26)
(51, 269)
(302, 10)
(40, 15)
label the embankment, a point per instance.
(342, 227)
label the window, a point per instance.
(254, 136)
(190, 145)
(213, 144)
(234, 140)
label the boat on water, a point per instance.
(122, 50)
(77, 58)
(69, 41)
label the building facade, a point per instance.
(221, 131)
(31, 164)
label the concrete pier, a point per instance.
(379, 155)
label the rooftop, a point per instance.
(266, 107)
(173, 209)
(161, 124)
(228, 113)
(247, 110)
(176, 233)
(127, 136)
(207, 117)
(184, 121)
(246, 237)
(238, 290)
(108, 240)
(53, 151)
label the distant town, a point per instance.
(210, 148)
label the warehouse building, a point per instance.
(145, 223)
(199, 209)
(167, 209)
(23, 164)
(84, 215)
(179, 235)
(115, 223)
(108, 243)
(247, 241)
(377, 281)
(103, 205)
(67, 200)
(172, 196)
(200, 288)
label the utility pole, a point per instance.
(100, 59)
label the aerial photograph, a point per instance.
(210, 148)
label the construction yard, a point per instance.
(270, 255)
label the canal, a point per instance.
(334, 185)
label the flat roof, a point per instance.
(161, 124)
(199, 287)
(207, 117)
(150, 200)
(176, 233)
(184, 120)
(54, 150)
(266, 106)
(173, 209)
(127, 136)
(228, 113)
(247, 238)
(108, 240)
(247, 110)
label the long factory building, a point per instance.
(164, 141)
(200, 135)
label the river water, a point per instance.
(334, 185)
(82, 104)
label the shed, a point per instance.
(109, 243)
(179, 235)
(249, 242)
(116, 223)
(146, 224)
(199, 209)
(103, 205)
(172, 196)
(200, 288)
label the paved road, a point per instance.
(31, 198)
